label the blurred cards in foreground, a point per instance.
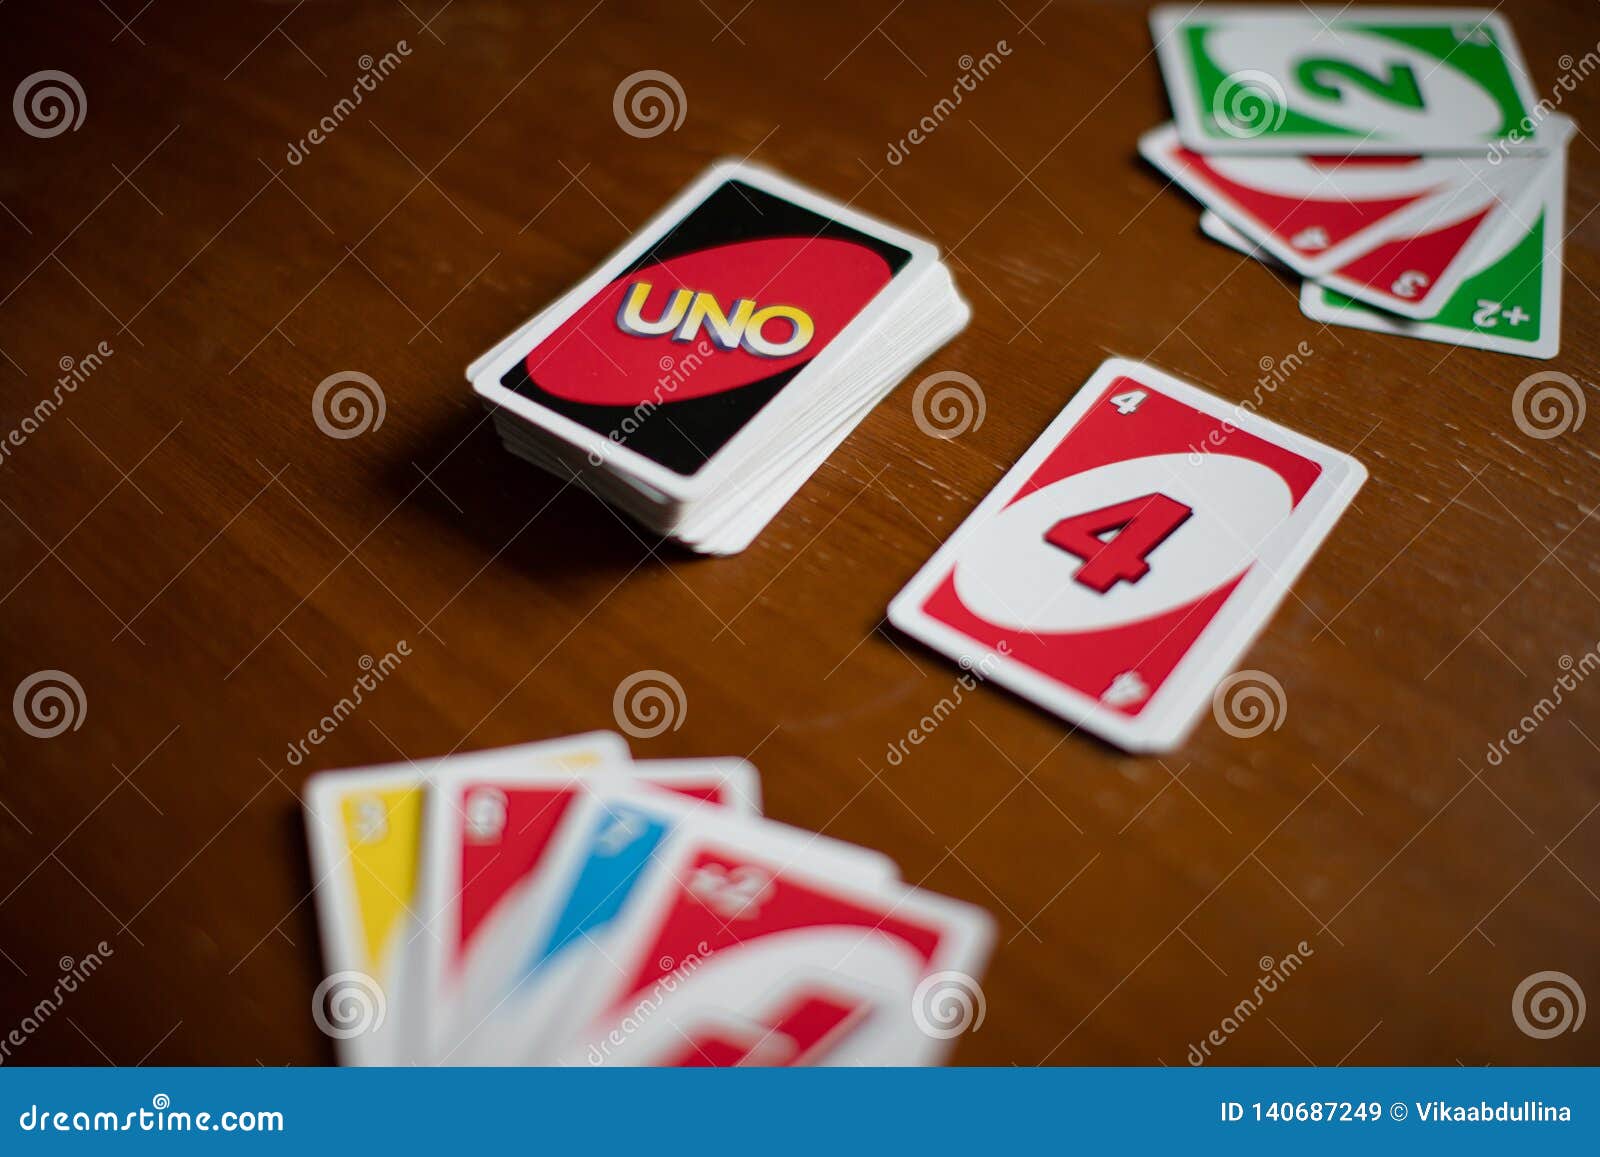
(560, 903)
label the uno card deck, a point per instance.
(1296, 79)
(758, 944)
(705, 370)
(1121, 567)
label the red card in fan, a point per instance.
(1399, 232)
(747, 943)
(495, 822)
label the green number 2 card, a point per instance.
(1369, 80)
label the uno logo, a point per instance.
(687, 312)
(731, 315)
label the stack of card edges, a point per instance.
(1396, 159)
(558, 903)
(700, 375)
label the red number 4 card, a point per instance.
(1120, 568)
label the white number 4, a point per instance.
(1129, 402)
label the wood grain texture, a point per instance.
(181, 538)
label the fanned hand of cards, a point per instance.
(1394, 158)
(1120, 568)
(708, 367)
(558, 903)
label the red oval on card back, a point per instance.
(592, 359)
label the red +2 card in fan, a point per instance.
(753, 943)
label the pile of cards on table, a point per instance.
(558, 903)
(1121, 567)
(700, 375)
(1396, 159)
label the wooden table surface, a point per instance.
(182, 540)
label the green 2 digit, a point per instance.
(1321, 75)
